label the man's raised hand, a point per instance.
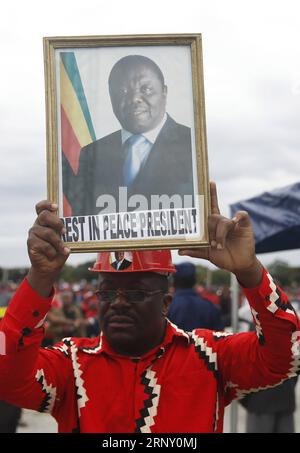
(46, 250)
(232, 244)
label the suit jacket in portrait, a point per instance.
(124, 265)
(168, 169)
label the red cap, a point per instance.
(136, 261)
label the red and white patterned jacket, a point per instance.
(181, 385)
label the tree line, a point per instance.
(286, 275)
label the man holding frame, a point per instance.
(143, 374)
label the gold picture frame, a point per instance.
(151, 85)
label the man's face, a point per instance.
(133, 328)
(138, 98)
(119, 256)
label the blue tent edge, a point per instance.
(275, 217)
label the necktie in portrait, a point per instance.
(137, 149)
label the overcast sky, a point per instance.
(252, 89)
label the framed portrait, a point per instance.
(126, 141)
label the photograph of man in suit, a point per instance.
(120, 262)
(150, 155)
